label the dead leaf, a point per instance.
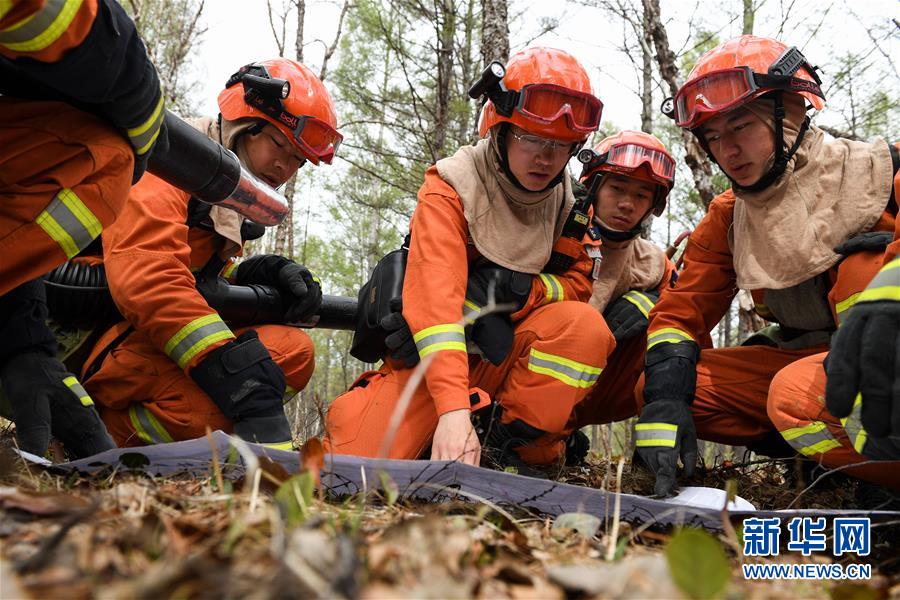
(312, 459)
(42, 504)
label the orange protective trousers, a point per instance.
(64, 176)
(612, 399)
(572, 331)
(145, 398)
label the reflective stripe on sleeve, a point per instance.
(143, 136)
(852, 424)
(449, 336)
(640, 300)
(69, 222)
(843, 306)
(42, 28)
(668, 335)
(5, 7)
(73, 384)
(147, 426)
(195, 337)
(553, 289)
(288, 445)
(655, 434)
(470, 311)
(885, 285)
(570, 372)
(811, 439)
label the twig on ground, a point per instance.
(614, 534)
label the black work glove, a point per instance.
(248, 387)
(301, 291)
(504, 285)
(577, 446)
(399, 339)
(866, 242)
(492, 333)
(862, 364)
(46, 398)
(627, 316)
(664, 432)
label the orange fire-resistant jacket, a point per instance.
(149, 255)
(434, 289)
(44, 30)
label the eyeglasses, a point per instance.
(538, 145)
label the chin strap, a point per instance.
(504, 161)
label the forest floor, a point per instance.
(135, 536)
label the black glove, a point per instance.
(301, 290)
(491, 333)
(864, 354)
(46, 398)
(665, 430)
(399, 339)
(577, 446)
(506, 285)
(627, 316)
(248, 387)
(866, 242)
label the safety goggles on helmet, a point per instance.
(312, 135)
(719, 91)
(626, 158)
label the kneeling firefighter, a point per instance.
(174, 368)
(489, 225)
(628, 177)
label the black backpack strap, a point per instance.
(198, 215)
(895, 161)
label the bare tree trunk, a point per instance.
(646, 41)
(329, 51)
(696, 159)
(286, 227)
(301, 19)
(445, 27)
(494, 31)
(749, 16)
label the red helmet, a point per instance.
(547, 93)
(634, 154)
(289, 96)
(739, 71)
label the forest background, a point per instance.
(398, 71)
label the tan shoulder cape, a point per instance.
(638, 265)
(510, 226)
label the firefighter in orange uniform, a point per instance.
(629, 175)
(796, 229)
(174, 367)
(488, 221)
(80, 113)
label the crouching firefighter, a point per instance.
(488, 225)
(798, 230)
(80, 114)
(173, 367)
(628, 177)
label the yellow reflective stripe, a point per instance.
(553, 289)
(640, 300)
(668, 335)
(655, 434)
(852, 424)
(289, 445)
(470, 311)
(42, 28)
(69, 222)
(5, 7)
(566, 370)
(143, 136)
(811, 439)
(289, 393)
(844, 305)
(885, 285)
(147, 426)
(229, 270)
(73, 384)
(449, 336)
(195, 337)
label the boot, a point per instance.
(499, 441)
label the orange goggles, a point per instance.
(722, 90)
(626, 158)
(545, 103)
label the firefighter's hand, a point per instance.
(399, 340)
(455, 438)
(664, 432)
(862, 364)
(301, 290)
(628, 315)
